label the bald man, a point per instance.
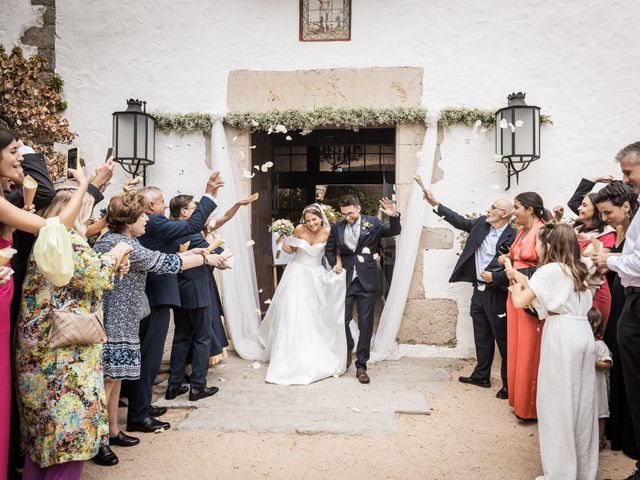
(489, 237)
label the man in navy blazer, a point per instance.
(193, 320)
(356, 240)
(489, 237)
(163, 293)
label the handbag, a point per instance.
(68, 328)
(146, 308)
(529, 271)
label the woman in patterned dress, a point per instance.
(12, 217)
(61, 390)
(123, 306)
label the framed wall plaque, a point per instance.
(325, 20)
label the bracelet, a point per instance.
(204, 257)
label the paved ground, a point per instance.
(330, 430)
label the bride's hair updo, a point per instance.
(314, 209)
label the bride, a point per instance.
(303, 330)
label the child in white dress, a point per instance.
(604, 362)
(566, 400)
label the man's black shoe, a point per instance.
(174, 392)
(106, 457)
(148, 425)
(204, 393)
(634, 476)
(503, 393)
(480, 382)
(156, 411)
(123, 440)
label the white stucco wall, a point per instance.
(16, 18)
(577, 60)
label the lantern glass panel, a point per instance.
(141, 136)
(524, 134)
(125, 123)
(151, 139)
(505, 133)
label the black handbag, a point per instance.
(529, 271)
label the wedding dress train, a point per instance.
(303, 331)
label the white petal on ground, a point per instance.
(504, 123)
(251, 243)
(288, 137)
(375, 410)
(256, 365)
(366, 250)
(221, 380)
(357, 410)
(519, 123)
(360, 258)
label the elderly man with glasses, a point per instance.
(489, 237)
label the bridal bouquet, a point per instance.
(283, 227)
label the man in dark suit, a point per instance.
(489, 237)
(356, 240)
(163, 293)
(193, 320)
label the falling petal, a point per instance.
(258, 311)
(360, 258)
(269, 164)
(270, 131)
(519, 123)
(247, 173)
(267, 301)
(252, 147)
(251, 243)
(494, 186)
(281, 129)
(221, 380)
(254, 123)
(257, 167)
(476, 126)
(260, 291)
(264, 168)
(366, 250)
(504, 123)
(235, 138)
(288, 137)
(376, 256)
(256, 365)
(375, 410)
(497, 157)
(512, 127)
(357, 410)
(484, 130)
(169, 146)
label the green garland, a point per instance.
(307, 120)
(461, 116)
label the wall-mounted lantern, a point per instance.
(134, 133)
(517, 135)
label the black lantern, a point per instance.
(134, 134)
(517, 135)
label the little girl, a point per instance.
(566, 401)
(604, 362)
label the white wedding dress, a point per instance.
(303, 331)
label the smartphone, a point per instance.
(73, 154)
(109, 153)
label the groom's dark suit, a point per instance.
(364, 288)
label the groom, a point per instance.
(356, 240)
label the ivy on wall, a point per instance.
(30, 105)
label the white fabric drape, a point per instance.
(239, 284)
(386, 346)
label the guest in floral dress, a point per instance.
(123, 306)
(61, 390)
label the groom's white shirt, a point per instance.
(351, 237)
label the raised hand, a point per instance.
(129, 184)
(78, 174)
(214, 183)
(428, 196)
(100, 179)
(388, 208)
(605, 179)
(558, 213)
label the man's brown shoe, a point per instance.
(361, 375)
(349, 359)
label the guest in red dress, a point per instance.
(524, 331)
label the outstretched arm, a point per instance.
(228, 215)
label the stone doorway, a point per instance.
(320, 167)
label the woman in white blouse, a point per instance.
(566, 401)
